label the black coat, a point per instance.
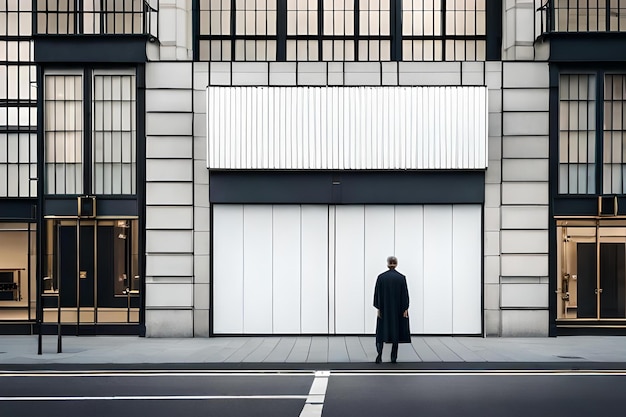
(391, 297)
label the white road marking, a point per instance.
(315, 400)
(161, 397)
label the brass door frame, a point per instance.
(55, 223)
(599, 225)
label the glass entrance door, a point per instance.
(92, 272)
(592, 270)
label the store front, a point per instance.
(91, 273)
(312, 188)
(591, 272)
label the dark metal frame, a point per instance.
(581, 205)
(492, 38)
(108, 205)
(555, 72)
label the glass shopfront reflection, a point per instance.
(91, 271)
(17, 271)
(592, 269)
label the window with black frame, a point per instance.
(341, 30)
(71, 17)
(587, 16)
(95, 155)
(18, 101)
(583, 138)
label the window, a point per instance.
(95, 155)
(63, 134)
(342, 30)
(70, 17)
(18, 101)
(589, 15)
(577, 140)
(451, 31)
(614, 127)
(580, 169)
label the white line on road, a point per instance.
(161, 397)
(315, 400)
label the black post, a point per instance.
(59, 326)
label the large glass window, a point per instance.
(63, 134)
(614, 127)
(94, 154)
(583, 138)
(17, 271)
(342, 30)
(577, 134)
(95, 17)
(589, 15)
(114, 134)
(18, 101)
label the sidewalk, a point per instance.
(348, 351)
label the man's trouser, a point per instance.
(394, 350)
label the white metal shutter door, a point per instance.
(308, 269)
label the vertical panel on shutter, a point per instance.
(409, 242)
(466, 252)
(314, 269)
(349, 270)
(228, 269)
(379, 243)
(286, 265)
(438, 269)
(257, 250)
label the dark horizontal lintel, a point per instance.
(347, 187)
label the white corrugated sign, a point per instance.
(345, 128)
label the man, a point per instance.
(391, 298)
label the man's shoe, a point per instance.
(378, 359)
(393, 361)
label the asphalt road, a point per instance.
(310, 393)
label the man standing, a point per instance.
(391, 298)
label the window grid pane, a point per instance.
(589, 16)
(63, 134)
(577, 127)
(302, 30)
(18, 106)
(96, 17)
(114, 134)
(343, 30)
(614, 157)
(454, 30)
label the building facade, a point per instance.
(197, 168)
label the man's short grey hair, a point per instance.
(392, 260)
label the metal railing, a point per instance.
(97, 17)
(581, 16)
